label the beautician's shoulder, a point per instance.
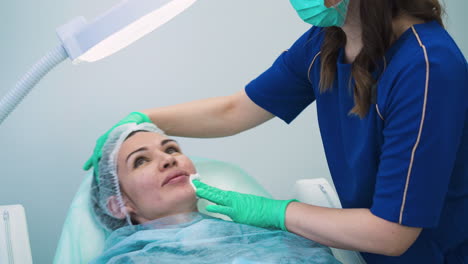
(313, 37)
(426, 54)
(308, 43)
(299, 56)
(430, 45)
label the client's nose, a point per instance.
(168, 161)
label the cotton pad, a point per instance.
(195, 176)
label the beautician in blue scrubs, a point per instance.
(391, 88)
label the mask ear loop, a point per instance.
(338, 10)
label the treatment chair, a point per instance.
(83, 239)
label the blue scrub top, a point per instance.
(407, 160)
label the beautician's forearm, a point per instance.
(213, 117)
(201, 118)
(352, 229)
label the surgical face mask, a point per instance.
(316, 13)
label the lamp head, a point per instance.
(117, 28)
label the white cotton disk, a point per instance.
(195, 176)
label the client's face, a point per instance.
(154, 177)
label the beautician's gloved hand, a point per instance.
(135, 117)
(245, 208)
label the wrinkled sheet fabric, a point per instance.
(197, 238)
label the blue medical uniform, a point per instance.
(407, 159)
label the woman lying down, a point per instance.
(143, 193)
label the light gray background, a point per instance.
(213, 49)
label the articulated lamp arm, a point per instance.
(110, 32)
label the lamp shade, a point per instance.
(112, 31)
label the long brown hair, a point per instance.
(377, 37)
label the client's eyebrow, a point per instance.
(138, 150)
(164, 142)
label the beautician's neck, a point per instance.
(353, 31)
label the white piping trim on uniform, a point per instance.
(420, 126)
(378, 112)
(312, 64)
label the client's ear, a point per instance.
(114, 208)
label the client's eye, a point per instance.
(171, 150)
(139, 161)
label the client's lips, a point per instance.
(173, 175)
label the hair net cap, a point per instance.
(108, 183)
(93, 161)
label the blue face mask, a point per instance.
(316, 13)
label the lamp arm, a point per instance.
(82, 41)
(15, 95)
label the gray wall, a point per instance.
(213, 49)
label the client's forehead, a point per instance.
(142, 139)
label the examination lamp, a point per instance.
(81, 41)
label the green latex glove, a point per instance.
(245, 208)
(93, 161)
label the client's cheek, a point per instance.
(151, 177)
(186, 164)
(189, 192)
(146, 183)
